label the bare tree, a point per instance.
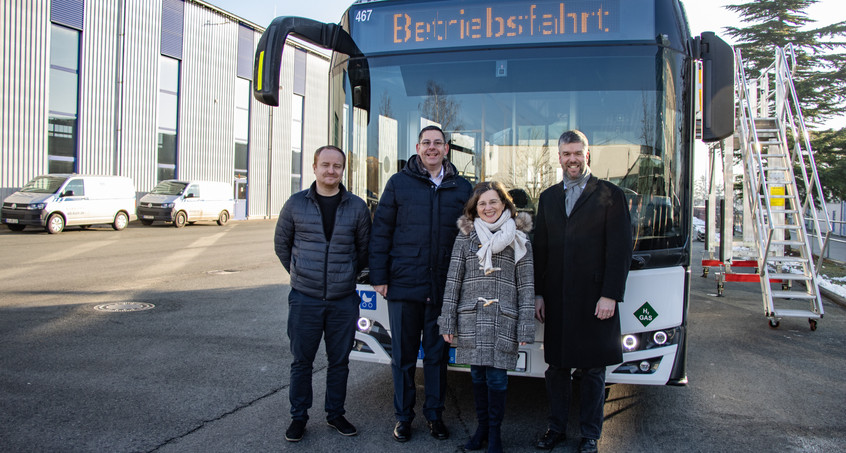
(532, 168)
(440, 107)
(385, 108)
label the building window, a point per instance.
(168, 114)
(242, 126)
(297, 144)
(64, 100)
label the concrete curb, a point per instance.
(834, 297)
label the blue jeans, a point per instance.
(591, 400)
(494, 378)
(309, 319)
(408, 321)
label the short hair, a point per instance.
(470, 207)
(333, 148)
(573, 136)
(431, 128)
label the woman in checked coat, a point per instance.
(488, 308)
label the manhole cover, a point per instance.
(124, 306)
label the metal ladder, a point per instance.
(775, 151)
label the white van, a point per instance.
(57, 200)
(184, 202)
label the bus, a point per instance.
(504, 79)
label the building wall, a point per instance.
(118, 99)
(137, 80)
(25, 34)
(207, 96)
(97, 150)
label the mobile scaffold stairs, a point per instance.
(781, 187)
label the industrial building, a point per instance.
(154, 90)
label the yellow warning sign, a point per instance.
(777, 196)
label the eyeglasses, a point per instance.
(437, 143)
(493, 203)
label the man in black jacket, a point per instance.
(322, 240)
(414, 228)
(583, 250)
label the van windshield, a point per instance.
(169, 188)
(44, 184)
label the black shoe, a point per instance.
(295, 431)
(343, 426)
(588, 446)
(550, 439)
(438, 429)
(402, 432)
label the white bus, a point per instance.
(504, 79)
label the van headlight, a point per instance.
(35, 206)
(167, 205)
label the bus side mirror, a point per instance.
(717, 87)
(268, 58)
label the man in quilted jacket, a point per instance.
(322, 240)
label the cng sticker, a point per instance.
(646, 314)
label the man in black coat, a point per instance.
(583, 250)
(322, 238)
(414, 228)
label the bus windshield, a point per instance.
(504, 109)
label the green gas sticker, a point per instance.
(646, 314)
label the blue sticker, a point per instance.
(368, 300)
(452, 356)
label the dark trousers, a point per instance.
(591, 400)
(408, 321)
(493, 378)
(309, 319)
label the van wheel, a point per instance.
(180, 220)
(121, 221)
(55, 224)
(147, 222)
(223, 218)
(16, 227)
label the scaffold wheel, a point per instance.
(774, 323)
(813, 323)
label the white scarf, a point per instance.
(495, 237)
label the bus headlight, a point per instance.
(630, 342)
(364, 325)
(660, 337)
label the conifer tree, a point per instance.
(820, 77)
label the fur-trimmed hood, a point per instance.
(523, 221)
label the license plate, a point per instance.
(146, 217)
(522, 361)
(11, 220)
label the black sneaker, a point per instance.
(295, 431)
(550, 439)
(343, 426)
(588, 446)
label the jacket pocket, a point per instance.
(466, 329)
(506, 329)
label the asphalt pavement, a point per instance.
(206, 368)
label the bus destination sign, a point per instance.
(383, 27)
